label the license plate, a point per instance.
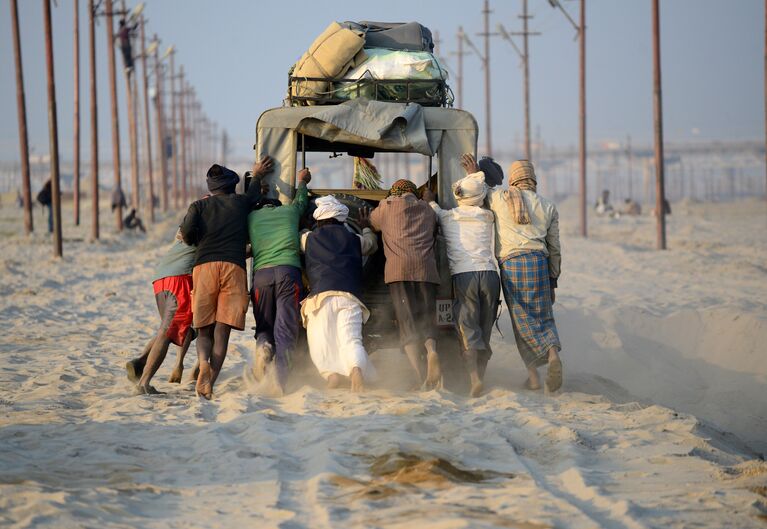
(444, 312)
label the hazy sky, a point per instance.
(238, 52)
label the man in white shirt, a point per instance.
(468, 231)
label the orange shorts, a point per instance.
(219, 294)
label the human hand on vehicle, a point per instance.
(364, 218)
(469, 163)
(304, 175)
(428, 195)
(263, 167)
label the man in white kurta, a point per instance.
(333, 313)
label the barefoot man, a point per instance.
(529, 256)
(172, 284)
(277, 284)
(217, 226)
(333, 313)
(408, 225)
(468, 231)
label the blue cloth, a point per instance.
(527, 291)
(276, 295)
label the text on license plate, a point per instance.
(444, 312)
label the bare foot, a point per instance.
(554, 375)
(335, 381)
(476, 385)
(433, 371)
(358, 383)
(533, 381)
(147, 390)
(175, 377)
(204, 387)
(134, 369)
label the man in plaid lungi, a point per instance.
(528, 251)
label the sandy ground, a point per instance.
(660, 424)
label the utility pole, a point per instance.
(76, 124)
(174, 130)
(765, 94)
(94, 123)
(182, 105)
(488, 127)
(460, 36)
(525, 33)
(581, 34)
(53, 131)
(630, 160)
(21, 106)
(660, 188)
(582, 118)
(160, 117)
(132, 130)
(147, 123)
(225, 144)
(115, 118)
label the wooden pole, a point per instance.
(526, 64)
(660, 188)
(461, 53)
(147, 123)
(488, 126)
(94, 123)
(183, 134)
(76, 117)
(160, 117)
(53, 131)
(582, 116)
(174, 129)
(115, 115)
(132, 131)
(21, 106)
(765, 95)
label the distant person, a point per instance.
(528, 252)
(45, 197)
(603, 206)
(118, 199)
(468, 231)
(333, 313)
(277, 284)
(631, 207)
(172, 283)
(132, 221)
(19, 199)
(124, 35)
(409, 225)
(217, 226)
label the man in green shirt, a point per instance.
(277, 285)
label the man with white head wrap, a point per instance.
(333, 313)
(468, 231)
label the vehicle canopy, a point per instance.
(362, 127)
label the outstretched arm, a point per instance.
(555, 251)
(190, 226)
(301, 200)
(260, 169)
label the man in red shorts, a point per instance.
(172, 282)
(217, 226)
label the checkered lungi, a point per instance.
(526, 288)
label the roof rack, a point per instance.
(425, 92)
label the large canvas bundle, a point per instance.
(330, 55)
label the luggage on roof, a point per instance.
(410, 36)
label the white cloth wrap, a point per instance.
(334, 332)
(328, 207)
(470, 190)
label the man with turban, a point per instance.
(217, 226)
(468, 231)
(528, 252)
(277, 285)
(333, 313)
(408, 225)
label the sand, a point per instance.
(661, 421)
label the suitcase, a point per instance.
(410, 36)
